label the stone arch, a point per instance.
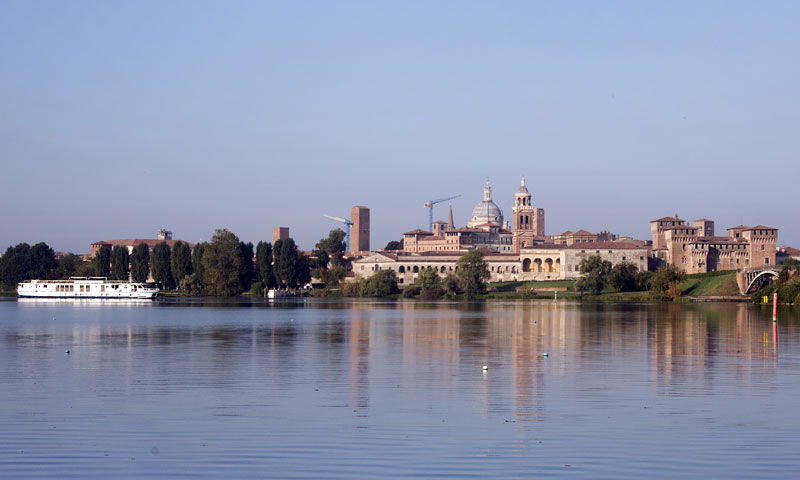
(548, 265)
(526, 265)
(416, 269)
(537, 265)
(443, 269)
(558, 265)
(402, 269)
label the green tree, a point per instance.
(623, 277)
(663, 283)
(44, 262)
(303, 274)
(643, 280)
(102, 261)
(394, 245)
(382, 284)
(119, 262)
(285, 266)
(451, 283)
(429, 283)
(197, 259)
(181, 261)
(222, 264)
(245, 252)
(595, 272)
(264, 265)
(473, 272)
(16, 265)
(333, 247)
(140, 262)
(68, 265)
(160, 268)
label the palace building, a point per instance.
(695, 249)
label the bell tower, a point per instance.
(528, 220)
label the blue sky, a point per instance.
(119, 118)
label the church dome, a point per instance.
(487, 211)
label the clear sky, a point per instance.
(119, 118)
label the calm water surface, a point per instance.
(369, 389)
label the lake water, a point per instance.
(358, 389)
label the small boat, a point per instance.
(276, 293)
(85, 287)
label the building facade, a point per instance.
(695, 249)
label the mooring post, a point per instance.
(775, 307)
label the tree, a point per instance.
(264, 265)
(197, 259)
(44, 262)
(68, 265)
(303, 270)
(181, 261)
(664, 281)
(472, 273)
(119, 262)
(382, 284)
(102, 261)
(623, 277)
(285, 254)
(595, 272)
(429, 283)
(245, 252)
(221, 264)
(451, 283)
(160, 266)
(333, 247)
(394, 245)
(16, 265)
(140, 263)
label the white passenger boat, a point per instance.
(85, 287)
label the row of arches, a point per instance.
(537, 265)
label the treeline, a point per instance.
(469, 281)
(224, 266)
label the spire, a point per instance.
(487, 191)
(450, 225)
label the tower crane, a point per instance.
(347, 224)
(430, 205)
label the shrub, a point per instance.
(257, 289)
(410, 291)
(350, 289)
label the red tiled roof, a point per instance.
(418, 231)
(667, 219)
(583, 232)
(791, 251)
(563, 234)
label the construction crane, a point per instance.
(347, 224)
(430, 205)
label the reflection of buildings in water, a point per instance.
(687, 341)
(359, 338)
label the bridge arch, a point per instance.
(758, 279)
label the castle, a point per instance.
(521, 250)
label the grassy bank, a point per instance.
(712, 284)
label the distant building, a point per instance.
(359, 233)
(280, 233)
(785, 253)
(695, 249)
(129, 243)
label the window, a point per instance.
(683, 260)
(623, 259)
(762, 247)
(577, 268)
(641, 257)
(766, 260)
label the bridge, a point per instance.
(752, 279)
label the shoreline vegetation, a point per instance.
(229, 267)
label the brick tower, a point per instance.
(359, 241)
(528, 221)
